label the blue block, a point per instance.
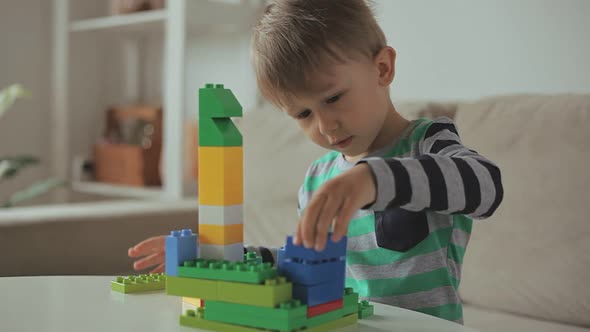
(319, 294)
(312, 273)
(181, 246)
(300, 253)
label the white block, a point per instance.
(231, 252)
(221, 215)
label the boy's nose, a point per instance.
(327, 125)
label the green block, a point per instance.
(251, 257)
(196, 320)
(253, 273)
(349, 306)
(270, 294)
(216, 106)
(335, 324)
(188, 287)
(287, 317)
(139, 284)
(365, 309)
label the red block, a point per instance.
(323, 308)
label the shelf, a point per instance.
(141, 21)
(105, 189)
(201, 16)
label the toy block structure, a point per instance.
(220, 175)
(139, 284)
(222, 288)
(318, 277)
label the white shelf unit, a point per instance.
(179, 18)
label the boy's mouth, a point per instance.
(343, 143)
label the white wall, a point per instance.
(460, 49)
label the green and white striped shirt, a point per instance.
(407, 248)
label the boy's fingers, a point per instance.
(309, 221)
(156, 243)
(343, 219)
(328, 212)
(298, 235)
(151, 260)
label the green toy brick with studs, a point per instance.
(216, 106)
(140, 283)
(253, 273)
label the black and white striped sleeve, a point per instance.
(446, 177)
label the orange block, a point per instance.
(221, 175)
(216, 234)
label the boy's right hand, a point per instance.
(152, 251)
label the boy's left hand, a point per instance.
(335, 202)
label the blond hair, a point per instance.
(296, 37)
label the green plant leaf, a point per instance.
(34, 190)
(10, 166)
(9, 95)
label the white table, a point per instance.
(86, 303)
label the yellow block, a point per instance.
(215, 234)
(221, 175)
(194, 301)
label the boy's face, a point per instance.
(346, 105)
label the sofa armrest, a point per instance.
(88, 238)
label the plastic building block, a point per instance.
(365, 309)
(221, 176)
(287, 317)
(270, 294)
(188, 287)
(251, 257)
(196, 319)
(348, 320)
(181, 246)
(314, 272)
(194, 301)
(228, 271)
(300, 253)
(216, 106)
(138, 284)
(320, 293)
(221, 215)
(215, 234)
(323, 308)
(230, 252)
(349, 306)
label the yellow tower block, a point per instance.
(220, 202)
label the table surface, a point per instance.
(86, 303)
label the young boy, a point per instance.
(402, 191)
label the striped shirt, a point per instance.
(406, 249)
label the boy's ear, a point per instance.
(385, 63)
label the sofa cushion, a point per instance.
(485, 320)
(531, 257)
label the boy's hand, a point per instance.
(335, 202)
(154, 251)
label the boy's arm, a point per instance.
(447, 177)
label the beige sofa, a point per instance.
(526, 269)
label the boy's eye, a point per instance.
(333, 99)
(304, 114)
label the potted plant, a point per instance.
(11, 166)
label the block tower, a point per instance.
(225, 290)
(220, 175)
